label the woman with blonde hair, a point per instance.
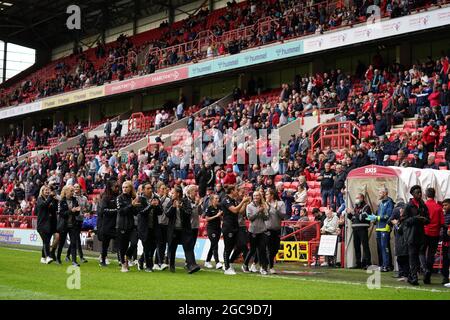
(257, 213)
(126, 210)
(45, 209)
(68, 210)
(276, 213)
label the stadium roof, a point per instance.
(42, 23)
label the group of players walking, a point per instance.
(162, 219)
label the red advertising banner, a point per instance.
(147, 81)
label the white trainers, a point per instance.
(107, 261)
(130, 263)
(219, 265)
(208, 265)
(263, 272)
(48, 260)
(253, 268)
(164, 267)
(230, 271)
(156, 267)
(43, 260)
(124, 268)
(447, 285)
(324, 264)
(272, 271)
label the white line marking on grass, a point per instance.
(297, 278)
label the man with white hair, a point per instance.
(383, 229)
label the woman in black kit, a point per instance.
(106, 218)
(213, 217)
(179, 230)
(126, 210)
(230, 228)
(45, 208)
(68, 210)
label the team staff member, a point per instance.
(360, 227)
(415, 218)
(44, 211)
(432, 233)
(179, 230)
(213, 216)
(68, 210)
(161, 228)
(383, 229)
(230, 226)
(446, 243)
(277, 213)
(148, 213)
(106, 218)
(126, 210)
(258, 214)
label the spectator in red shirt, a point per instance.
(435, 97)
(430, 136)
(432, 232)
(230, 177)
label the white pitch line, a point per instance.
(295, 278)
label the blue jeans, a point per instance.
(444, 110)
(339, 199)
(327, 198)
(282, 167)
(383, 239)
(183, 174)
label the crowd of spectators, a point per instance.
(119, 60)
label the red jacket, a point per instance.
(434, 99)
(430, 135)
(230, 178)
(436, 218)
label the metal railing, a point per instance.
(337, 135)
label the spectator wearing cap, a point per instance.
(416, 216)
(432, 232)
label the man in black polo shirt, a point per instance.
(230, 227)
(327, 185)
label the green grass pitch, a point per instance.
(22, 276)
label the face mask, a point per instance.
(358, 201)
